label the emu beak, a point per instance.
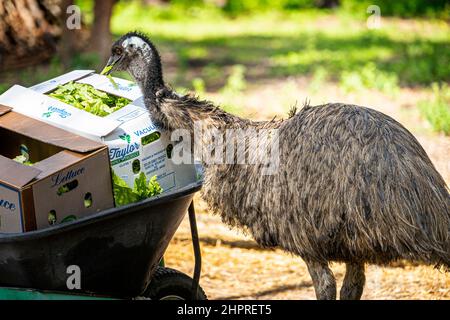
(110, 65)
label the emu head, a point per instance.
(136, 54)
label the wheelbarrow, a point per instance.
(117, 253)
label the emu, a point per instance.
(352, 185)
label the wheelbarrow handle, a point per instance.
(197, 252)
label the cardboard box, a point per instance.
(69, 177)
(124, 131)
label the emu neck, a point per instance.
(154, 80)
(185, 112)
(147, 73)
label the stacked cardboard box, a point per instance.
(125, 131)
(68, 178)
(73, 151)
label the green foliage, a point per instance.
(272, 39)
(199, 85)
(85, 60)
(33, 75)
(142, 189)
(177, 9)
(235, 85)
(236, 81)
(237, 7)
(408, 9)
(370, 77)
(212, 74)
(3, 87)
(87, 98)
(87, 8)
(414, 61)
(300, 4)
(284, 43)
(320, 76)
(437, 111)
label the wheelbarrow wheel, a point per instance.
(170, 284)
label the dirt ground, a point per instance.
(234, 267)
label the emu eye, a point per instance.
(118, 51)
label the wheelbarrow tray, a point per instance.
(117, 250)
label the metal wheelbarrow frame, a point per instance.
(117, 251)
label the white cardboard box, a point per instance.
(122, 131)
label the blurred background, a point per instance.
(258, 59)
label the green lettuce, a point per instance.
(106, 70)
(142, 189)
(111, 79)
(23, 160)
(87, 98)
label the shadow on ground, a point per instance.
(269, 292)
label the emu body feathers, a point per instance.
(353, 185)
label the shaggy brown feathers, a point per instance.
(353, 185)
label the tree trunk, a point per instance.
(327, 3)
(67, 41)
(155, 2)
(101, 38)
(28, 32)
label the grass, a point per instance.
(285, 44)
(369, 77)
(437, 111)
(210, 52)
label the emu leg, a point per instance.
(323, 280)
(353, 286)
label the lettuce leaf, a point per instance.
(111, 79)
(113, 82)
(23, 160)
(140, 186)
(142, 189)
(106, 70)
(87, 98)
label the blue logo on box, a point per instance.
(62, 113)
(145, 131)
(120, 153)
(121, 87)
(7, 205)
